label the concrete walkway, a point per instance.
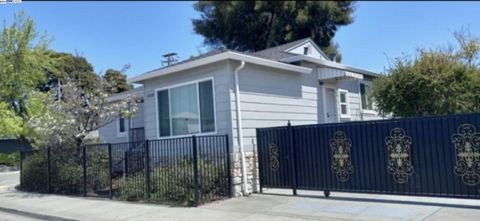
(256, 207)
(269, 206)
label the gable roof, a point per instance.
(216, 56)
(279, 52)
(276, 57)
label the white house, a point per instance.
(221, 91)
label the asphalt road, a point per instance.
(13, 217)
(9, 180)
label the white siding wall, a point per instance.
(219, 71)
(137, 119)
(356, 113)
(271, 97)
(109, 132)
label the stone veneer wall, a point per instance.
(252, 173)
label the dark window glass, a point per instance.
(364, 96)
(163, 113)
(366, 101)
(207, 116)
(121, 124)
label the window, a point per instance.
(305, 50)
(344, 109)
(122, 125)
(367, 103)
(186, 109)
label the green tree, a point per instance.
(10, 124)
(70, 67)
(256, 25)
(435, 82)
(24, 58)
(116, 82)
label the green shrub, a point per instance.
(34, 172)
(66, 176)
(11, 159)
(133, 189)
(98, 171)
(175, 182)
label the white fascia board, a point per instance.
(269, 63)
(136, 93)
(330, 64)
(219, 57)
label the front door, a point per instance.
(330, 106)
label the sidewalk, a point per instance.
(256, 207)
(273, 205)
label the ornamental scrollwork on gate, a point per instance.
(274, 163)
(341, 159)
(399, 157)
(467, 148)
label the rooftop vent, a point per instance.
(169, 59)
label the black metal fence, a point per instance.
(428, 156)
(136, 134)
(181, 171)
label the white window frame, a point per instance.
(124, 133)
(196, 82)
(369, 84)
(347, 115)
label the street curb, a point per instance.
(35, 215)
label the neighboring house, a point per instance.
(293, 82)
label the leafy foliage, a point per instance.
(440, 81)
(35, 173)
(10, 123)
(47, 97)
(256, 25)
(97, 170)
(116, 82)
(11, 159)
(173, 183)
(69, 67)
(66, 172)
(23, 60)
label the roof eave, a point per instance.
(136, 93)
(219, 57)
(330, 64)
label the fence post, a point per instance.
(229, 172)
(84, 162)
(147, 170)
(110, 173)
(260, 159)
(292, 159)
(48, 170)
(195, 171)
(21, 169)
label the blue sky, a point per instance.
(111, 34)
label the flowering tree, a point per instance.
(73, 113)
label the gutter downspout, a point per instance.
(239, 128)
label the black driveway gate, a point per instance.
(428, 156)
